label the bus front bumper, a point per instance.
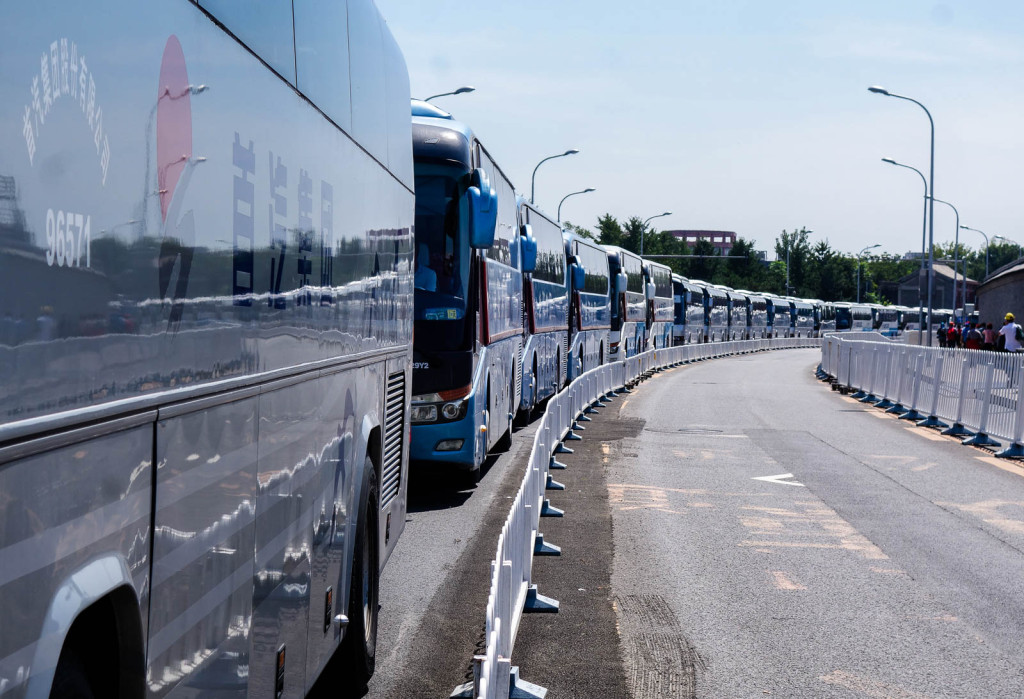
(458, 440)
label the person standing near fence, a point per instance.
(952, 335)
(1010, 335)
(990, 337)
(974, 337)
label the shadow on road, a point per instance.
(438, 486)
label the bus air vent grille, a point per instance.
(394, 439)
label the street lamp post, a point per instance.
(956, 257)
(459, 91)
(859, 256)
(931, 203)
(643, 229)
(968, 228)
(572, 194)
(533, 177)
(924, 242)
(789, 245)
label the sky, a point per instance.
(750, 116)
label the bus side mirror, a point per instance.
(620, 283)
(529, 247)
(650, 290)
(579, 276)
(483, 211)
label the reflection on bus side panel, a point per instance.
(205, 348)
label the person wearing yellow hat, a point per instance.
(1011, 337)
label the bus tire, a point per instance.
(359, 647)
(71, 679)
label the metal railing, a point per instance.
(975, 394)
(513, 592)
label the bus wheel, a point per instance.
(71, 678)
(359, 647)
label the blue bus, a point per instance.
(803, 317)
(468, 343)
(885, 319)
(590, 311)
(853, 317)
(679, 297)
(827, 315)
(690, 314)
(206, 270)
(780, 317)
(546, 307)
(716, 313)
(660, 307)
(758, 312)
(628, 301)
(739, 314)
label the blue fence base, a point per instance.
(981, 440)
(552, 484)
(869, 398)
(957, 430)
(541, 548)
(858, 395)
(556, 464)
(537, 603)
(896, 409)
(1014, 451)
(562, 449)
(884, 403)
(549, 510)
(912, 415)
(521, 689)
(932, 421)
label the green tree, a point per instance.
(609, 232)
(744, 269)
(794, 249)
(703, 268)
(579, 231)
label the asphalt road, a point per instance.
(877, 559)
(733, 529)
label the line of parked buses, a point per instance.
(509, 307)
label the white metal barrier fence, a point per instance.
(513, 592)
(971, 393)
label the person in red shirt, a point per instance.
(974, 337)
(952, 336)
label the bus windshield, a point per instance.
(442, 265)
(844, 318)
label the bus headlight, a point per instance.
(453, 410)
(423, 413)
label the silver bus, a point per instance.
(716, 312)
(758, 315)
(206, 264)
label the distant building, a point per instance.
(723, 240)
(942, 291)
(1002, 293)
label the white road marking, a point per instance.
(779, 479)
